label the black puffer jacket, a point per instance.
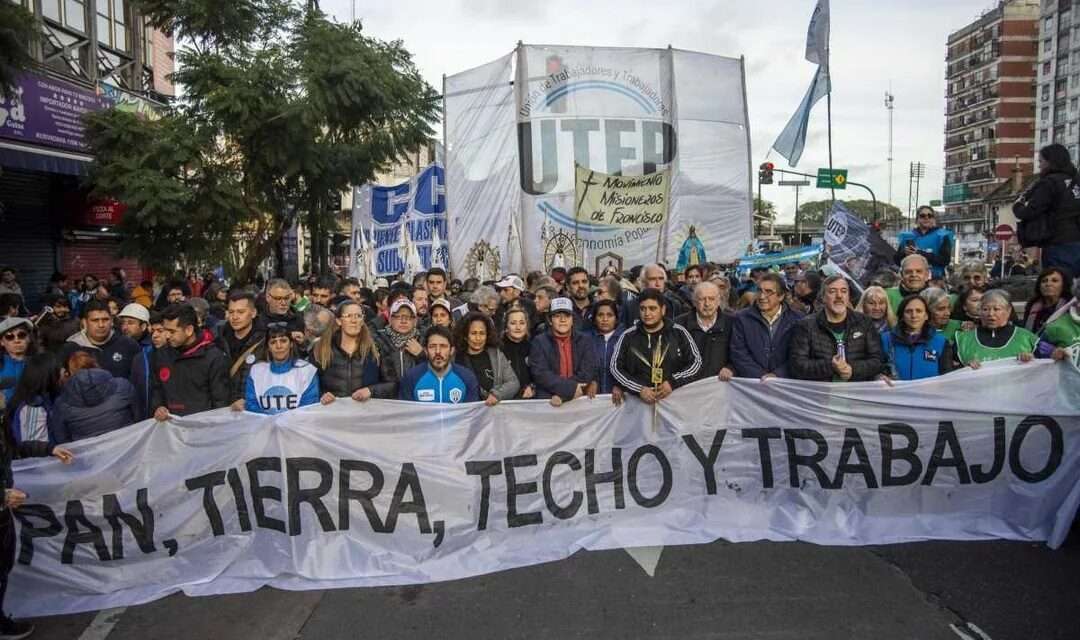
(398, 360)
(1058, 196)
(346, 373)
(813, 347)
(191, 381)
(91, 403)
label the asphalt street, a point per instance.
(775, 591)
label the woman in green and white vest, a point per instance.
(996, 337)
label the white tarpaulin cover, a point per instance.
(389, 493)
(515, 128)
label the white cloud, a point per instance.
(874, 44)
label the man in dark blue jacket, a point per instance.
(113, 351)
(760, 334)
(562, 361)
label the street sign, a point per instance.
(1003, 232)
(794, 183)
(935, 203)
(831, 179)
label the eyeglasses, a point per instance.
(16, 335)
(767, 293)
(926, 215)
(280, 298)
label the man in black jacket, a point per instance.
(113, 351)
(192, 374)
(655, 356)
(711, 331)
(1055, 196)
(242, 341)
(835, 344)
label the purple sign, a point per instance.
(48, 112)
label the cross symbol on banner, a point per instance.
(437, 189)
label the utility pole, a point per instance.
(889, 108)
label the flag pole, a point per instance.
(828, 117)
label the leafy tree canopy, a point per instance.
(17, 33)
(816, 211)
(281, 108)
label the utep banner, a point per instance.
(391, 493)
(516, 128)
(381, 213)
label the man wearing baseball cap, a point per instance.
(562, 361)
(510, 289)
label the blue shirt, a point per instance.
(276, 387)
(929, 242)
(458, 384)
(10, 373)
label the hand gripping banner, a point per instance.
(390, 493)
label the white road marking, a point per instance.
(103, 624)
(970, 627)
(647, 557)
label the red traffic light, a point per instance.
(767, 166)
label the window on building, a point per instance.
(51, 9)
(75, 14)
(148, 43)
(1048, 45)
(1045, 91)
(1044, 114)
(1048, 23)
(112, 24)
(1074, 103)
(1043, 135)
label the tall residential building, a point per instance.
(89, 55)
(1058, 90)
(990, 114)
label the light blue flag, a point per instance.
(817, 35)
(792, 139)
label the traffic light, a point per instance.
(765, 172)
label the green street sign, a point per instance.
(834, 179)
(935, 203)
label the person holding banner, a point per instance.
(711, 330)
(283, 382)
(349, 363)
(193, 374)
(761, 333)
(1061, 335)
(913, 349)
(439, 380)
(836, 344)
(562, 359)
(477, 348)
(655, 356)
(996, 337)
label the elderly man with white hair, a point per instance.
(914, 278)
(710, 328)
(653, 276)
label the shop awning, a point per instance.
(30, 158)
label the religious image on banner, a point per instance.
(517, 127)
(691, 251)
(400, 228)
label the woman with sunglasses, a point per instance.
(285, 381)
(348, 361)
(16, 338)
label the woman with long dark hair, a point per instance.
(42, 376)
(27, 413)
(1053, 290)
(477, 348)
(1049, 211)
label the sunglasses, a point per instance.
(926, 215)
(16, 335)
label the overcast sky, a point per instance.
(901, 42)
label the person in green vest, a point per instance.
(1061, 335)
(937, 301)
(914, 279)
(996, 337)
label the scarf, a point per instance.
(399, 339)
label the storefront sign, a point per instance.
(48, 112)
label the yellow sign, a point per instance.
(622, 201)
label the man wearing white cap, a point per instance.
(399, 343)
(562, 360)
(510, 289)
(134, 322)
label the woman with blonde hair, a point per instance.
(874, 304)
(348, 360)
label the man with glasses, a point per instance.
(761, 333)
(928, 240)
(279, 297)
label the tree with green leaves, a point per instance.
(815, 212)
(17, 33)
(281, 109)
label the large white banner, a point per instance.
(389, 493)
(516, 127)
